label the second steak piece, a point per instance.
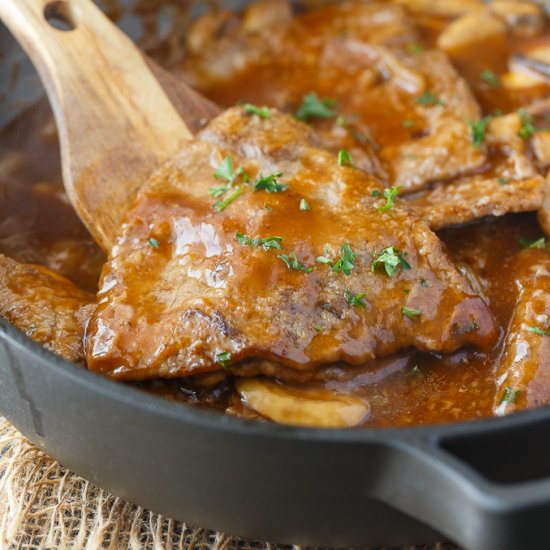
(299, 259)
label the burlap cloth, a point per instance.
(43, 505)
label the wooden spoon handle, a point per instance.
(116, 123)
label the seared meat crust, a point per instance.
(523, 376)
(179, 289)
(45, 306)
(470, 199)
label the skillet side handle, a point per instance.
(486, 488)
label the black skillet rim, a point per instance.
(180, 411)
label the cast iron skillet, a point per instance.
(483, 484)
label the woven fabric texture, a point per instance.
(45, 506)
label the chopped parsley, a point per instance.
(415, 47)
(323, 260)
(490, 78)
(313, 107)
(293, 263)
(226, 171)
(375, 193)
(265, 242)
(223, 204)
(527, 127)
(389, 195)
(407, 123)
(342, 121)
(269, 183)
(347, 260)
(429, 98)
(503, 181)
(415, 370)
(539, 243)
(357, 300)
(344, 157)
(362, 138)
(319, 328)
(411, 312)
(478, 129)
(153, 242)
(304, 205)
(391, 259)
(262, 112)
(224, 359)
(423, 282)
(509, 396)
(539, 331)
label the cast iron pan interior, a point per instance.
(484, 484)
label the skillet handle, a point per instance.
(486, 486)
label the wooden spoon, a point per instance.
(117, 121)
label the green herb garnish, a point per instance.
(527, 127)
(313, 107)
(226, 171)
(389, 195)
(509, 396)
(347, 260)
(503, 181)
(224, 359)
(407, 123)
(265, 242)
(539, 331)
(423, 282)
(262, 112)
(342, 121)
(357, 300)
(539, 244)
(223, 204)
(304, 205)
(293, 263)
(490, 78)
(415, 47)
(269, 183)
(478, 129)
(153, 242)
(411, 312)
(391, 259)
(344, 157)
(429, 98)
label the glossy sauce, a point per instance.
(39, 226)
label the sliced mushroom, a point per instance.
(405, 77)
(544, 211)
(530, 68)
(541, 147)
(262, 15)
(525, 19)
(519, 78)
(207, 28)
(442, 8)
(302, 407)
(471, 28)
